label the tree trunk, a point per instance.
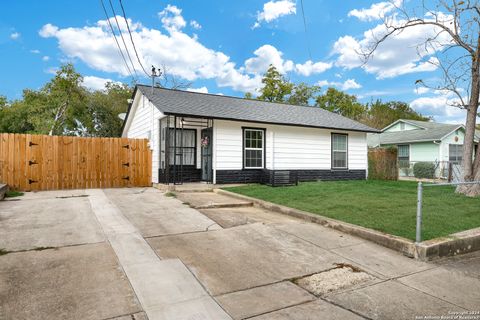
(471, 172)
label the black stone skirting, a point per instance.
(189, 174)
(265, 176)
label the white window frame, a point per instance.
(403, 160)
(343, 151)
(262, 131)
(456, 147)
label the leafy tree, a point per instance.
(380, 114)
(342, 103)
(15, 118)
(3, 102)
(302, 94)
(64, 107)
(278, 89)
(105, 106)
(275, 87)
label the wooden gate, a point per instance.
(40, 162)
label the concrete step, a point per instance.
(210, 200)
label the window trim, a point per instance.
(264, 147)
(172, 130)
(461, 152)
(398, 154)
(403, 145)
(331, 151)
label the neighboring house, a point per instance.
(422, 141)
(222, 139)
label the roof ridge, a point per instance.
(233, 97)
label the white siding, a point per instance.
(144, 123)
(424, 151)
(287, 147)
(448, 140)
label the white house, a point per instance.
(221, 139)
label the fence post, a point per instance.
(418, 237)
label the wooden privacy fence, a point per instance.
(40, 162)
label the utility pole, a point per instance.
(155, 74)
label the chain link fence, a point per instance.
(441, 211)
(439, 171)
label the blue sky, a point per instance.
(220, 46)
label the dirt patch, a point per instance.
(342, 277)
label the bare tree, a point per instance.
(455, 44)
(168, 80)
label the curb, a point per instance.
(405, 246)
(455, 244)
(224, 205)
(458, 243)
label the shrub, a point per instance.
(382, 164)
(423, 170)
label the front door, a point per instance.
(206, 145)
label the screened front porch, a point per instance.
(185, 149)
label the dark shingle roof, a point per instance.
(231, 108)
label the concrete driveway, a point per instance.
(137, 254)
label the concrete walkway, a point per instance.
(165, 288)
(138, 254)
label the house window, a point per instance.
(455, 153)
(185, 148)
(339, 151)
(402, 126)
(254, 148)
(404, 156)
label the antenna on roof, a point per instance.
(155, 73)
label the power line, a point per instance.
(118, 44)
(306, 33)
(131, 38)
(121, 35)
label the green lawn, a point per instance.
(388, 206)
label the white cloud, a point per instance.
(48, 30)
(439, 107)
(200, 90)
(45, 58)
(265, 56)
(51, 70)
(96, 83)
(35, 51)
(184, 55)
(14, 35)
(351, 84)
(401, 53)
(421, 90)
(309, 68)
(195, 25)
(172, 19)
(346, 85)
(273, 10)
(375, 12)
